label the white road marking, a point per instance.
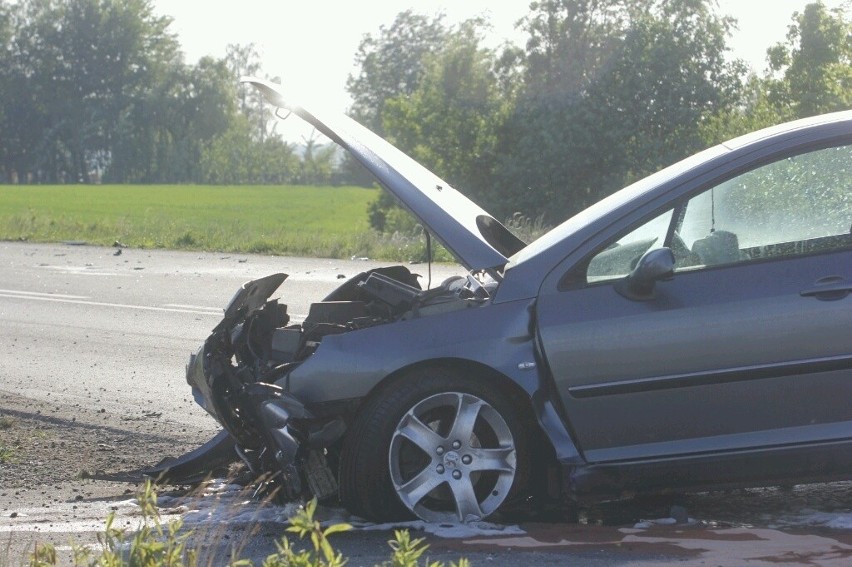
(196, 307)
(40, 294)
(56, 299)
(82, 270)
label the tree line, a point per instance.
(98, 90)
(601, 93)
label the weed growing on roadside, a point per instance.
(407, 552)
(153, 545)
(43, 556)
(7, 454)
(157, 545)
(322, 555)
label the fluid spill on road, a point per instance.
(690, 545)
(784, 536)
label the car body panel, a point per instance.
(796, 464)
(350, 365)
(715, 346)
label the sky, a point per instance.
(311, 44)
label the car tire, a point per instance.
(436, 445)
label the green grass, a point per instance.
(7, 454)
(297, 220)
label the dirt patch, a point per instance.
(45, 443)
(51, 455)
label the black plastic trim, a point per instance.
(725, 376)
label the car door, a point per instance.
(748, 345)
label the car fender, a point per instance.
(497, 336)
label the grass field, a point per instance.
(291, 220)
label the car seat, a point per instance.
(719, 247)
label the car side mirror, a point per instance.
(653, 266)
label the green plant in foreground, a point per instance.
(322, 555)
(158, 545)
(407, 552)
(43, 556)
(153, 545)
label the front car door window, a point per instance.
(798, 205)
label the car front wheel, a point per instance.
(439, 446)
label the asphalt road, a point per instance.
(85, 319)
(111, 333)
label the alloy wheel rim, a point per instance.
(452, 458)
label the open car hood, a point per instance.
(475, 238)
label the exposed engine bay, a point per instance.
(240, 375)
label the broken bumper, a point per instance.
(259, 419)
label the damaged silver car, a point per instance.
(691, 330)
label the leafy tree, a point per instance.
(391, 63)
(755, 111)
(431, 90)
(164, 129)
(244, 61)
(614, 89)
(317, 161)
(548, 140)
(236, 157)
(570, 41)
(74, 68)
(103, 51)
(668, 75)
(810, 73)
(813, 68)
(449, 121)
(6, 81)
(29, 136)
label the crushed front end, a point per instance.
(240, 374)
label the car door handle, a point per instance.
(829, 289)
